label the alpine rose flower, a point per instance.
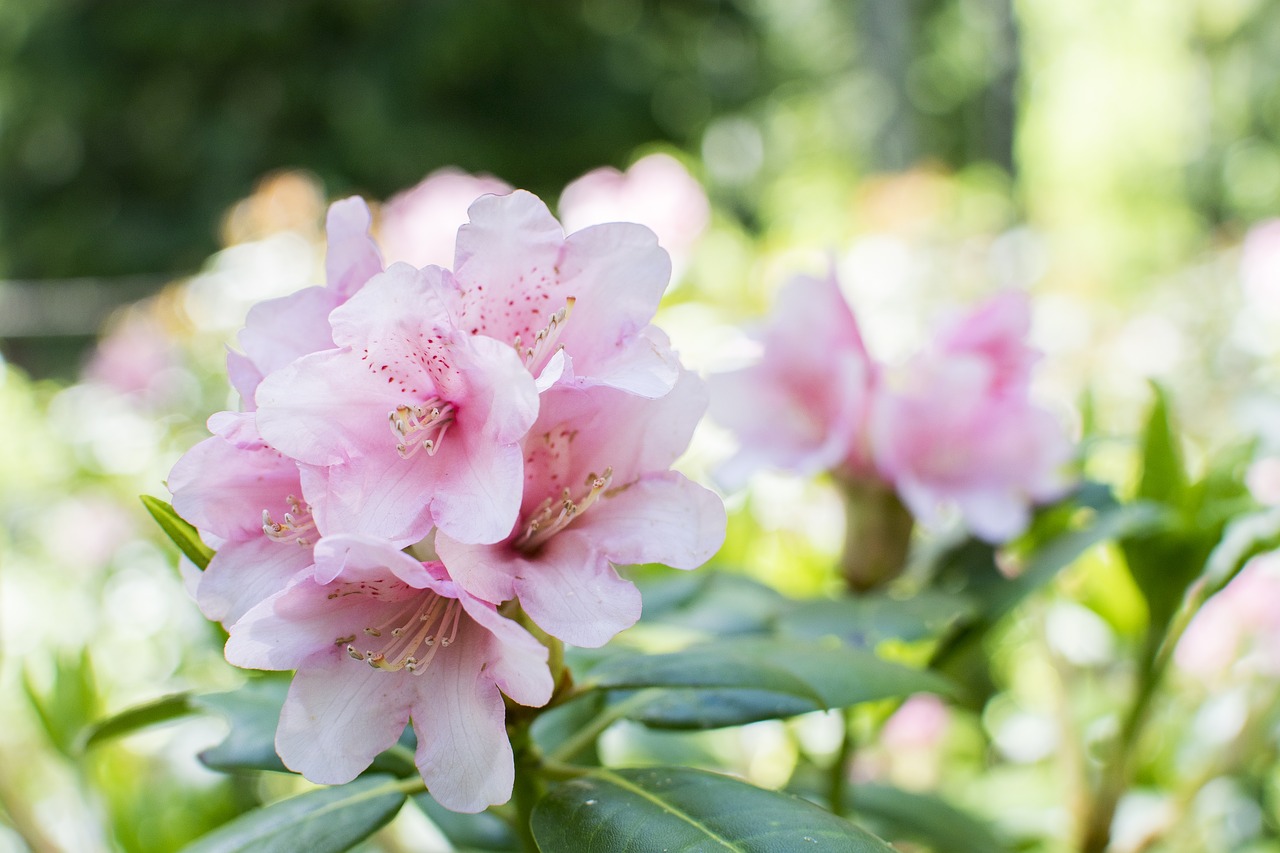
(598, 492)
(380, 639)
(278, 331)
(410, 422)
(803, 407)
(419, 225)
(953, 428)
(657, 191)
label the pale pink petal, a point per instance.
(419, 225)
(323, 410)
(486, 571)
(244, 573)
(278, 331)
(478, 494)
(354, 557)
(506, 262)
(502, 398)
(463, 751)
(244, 377)
(517, 662)
(223, 489)
(662, 518)
(574, 594)
(339, 716)
(396, 312)
(240, 429)
(352, 256)
(379, 494)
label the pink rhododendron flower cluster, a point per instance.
(951, 429)
(420, 446)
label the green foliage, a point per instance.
(673, 808)
(162, 710)
(69, 705)
(734, 682)
(328, 820)
(896, 814)
(179, 531)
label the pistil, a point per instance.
(290, 529)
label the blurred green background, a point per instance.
(1121, 160)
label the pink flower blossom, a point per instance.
(995, 332)
(657, 191)
(591, 295)
(946, 437)
(802, 408)
(1237, 628)
(419, 225)
(277, 331)
(379, 639)
(245, 499)
(411, 422)
(598, 492)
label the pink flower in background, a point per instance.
(657, 191)
(139, 358)
(380, 639)
(951, 429)
(1260, 264)
(592, 294)
(946, 437)
(278, 331)
(996, 333)
(802, 407)
(246, 499)
(418, 226)
(411, 422)
(598, 492)
(1238, 626)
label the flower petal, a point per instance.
(573, 593)
(339, 715)
(354, 557)
(244, 573)
(352, 256)
(658, 519)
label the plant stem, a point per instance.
(529, 786)
(587, 735)
(838, 773)
(877, 534)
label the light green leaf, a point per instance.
(179, 531)
(252, 713)
(161, 710)
(670, 808)
(327, 820)
(899, 814)
(866, 620)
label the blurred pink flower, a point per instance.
(379, 639)
(411, 422)
(278, 331)
(1260, 264)
(1237, 628)
(657, 191)
(418, 226)
(598, 492)
(803, 407)
(920, 723)
(996, 333)
(140, 359)
(1263, 480)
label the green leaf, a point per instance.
(252, 712)
(671, 808)
(327, 820)
(1244, 538)
(179, 531)
(866, 620)
(898, 814)
(740, 681)
(483, 831)
(70, 705)
(1164, 476)
(161, 710)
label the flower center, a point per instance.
(290, 529)
(552, 516)
(544, 340)
(412, 636)
(421, 427)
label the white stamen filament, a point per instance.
(554, 516)
(545, 339)
(421, 427)
(430, 623)
(290, 528)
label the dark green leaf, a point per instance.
(327, 820)
(252, 713)
(864, 621)
(483, 831)
(668, 808)
(898, 814)
(716, 603)
(735, 682)
(161, 710)
(179, 531)
(555, 726)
